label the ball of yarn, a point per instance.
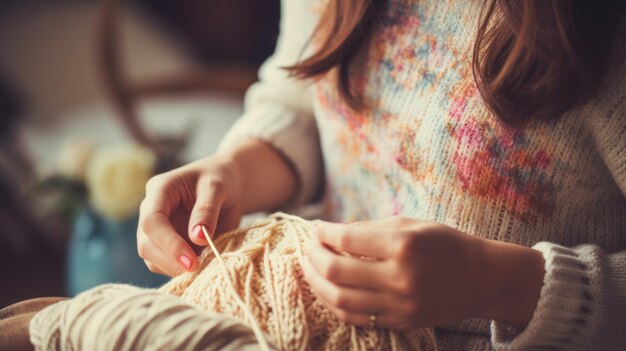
(262, 268)
(125, 318)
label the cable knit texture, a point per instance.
(427, 147)
(262, 263)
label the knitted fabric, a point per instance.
(427, 147)
(261, 263)
(116, 317)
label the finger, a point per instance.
(349, 271)
(347, 298)
(152, 253)
(154, 268)
(157, 227)
(351, 307)
(360, 239)
(206, 210)
(363, 319)
(228, 220)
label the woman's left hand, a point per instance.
(419, 274)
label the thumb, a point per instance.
(205, 212)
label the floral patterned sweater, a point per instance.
(426, 147)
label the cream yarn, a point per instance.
(116, 317)
(258, 265)
(262, 263)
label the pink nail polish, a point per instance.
(197, 232)
(185, 262)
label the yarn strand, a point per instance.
(253, 323)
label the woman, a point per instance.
(476, 150)
(474, 153)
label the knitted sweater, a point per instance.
(428, 148)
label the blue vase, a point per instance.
(105, 251)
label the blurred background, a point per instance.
(96, 96)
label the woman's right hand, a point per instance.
(206, 192)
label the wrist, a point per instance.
(234, 173)
(235, 162)
(264, 177)
(513, 282)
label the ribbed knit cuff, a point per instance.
(564, 307)
(295, 137)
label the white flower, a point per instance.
(73, 158)
(116, 179)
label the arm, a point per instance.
(427, 274)
(270, 158)
(267, 181)
(278, 112)
(581, 304)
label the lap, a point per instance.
(14, 320)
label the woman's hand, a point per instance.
(208, 192)
(420, 274)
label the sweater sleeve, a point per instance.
(278, 108)
(582, 304)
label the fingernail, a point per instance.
(185, 262)
(197, 232)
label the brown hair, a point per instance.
(532, 59)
